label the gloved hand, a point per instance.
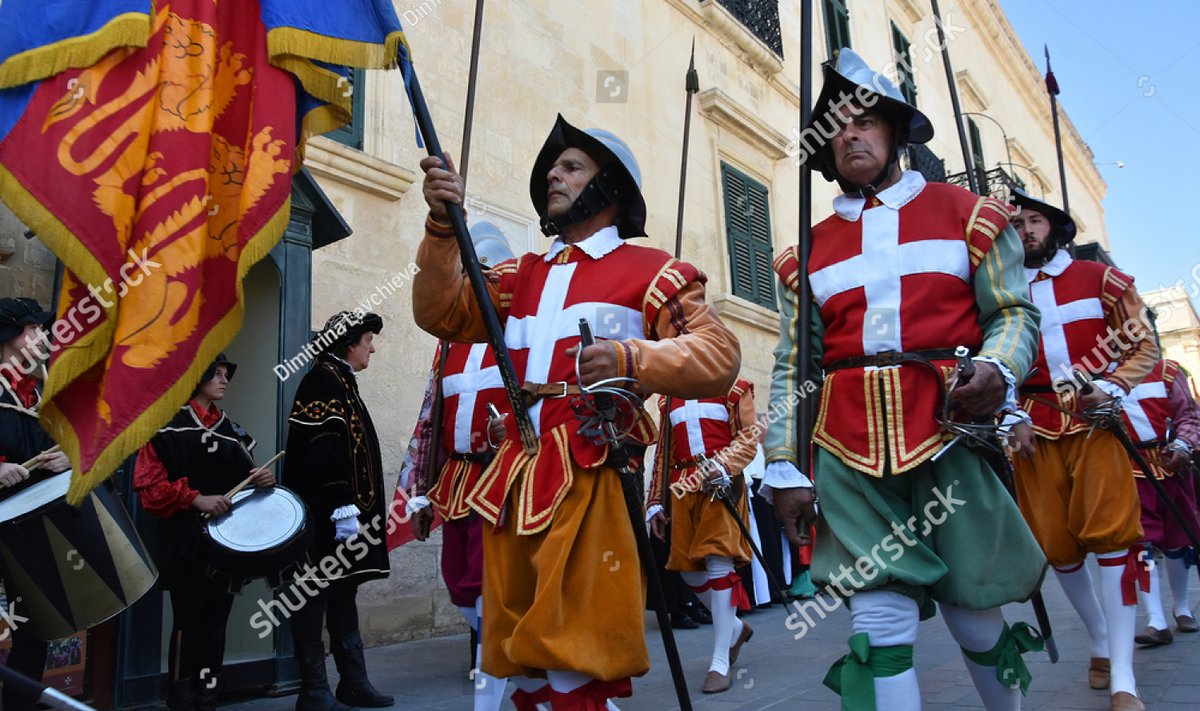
(345, 528)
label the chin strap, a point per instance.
(605, 188)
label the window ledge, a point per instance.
(735, 308)
(326, 158)
(725, 112)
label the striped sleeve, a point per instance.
(1007, 316)
(988, 220)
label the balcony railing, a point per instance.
(761, 17)
(995, 182)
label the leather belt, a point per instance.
(887, 358)
(532, 392)
(472, 457)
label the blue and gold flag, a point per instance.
(151, 146)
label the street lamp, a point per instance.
(1007, 150)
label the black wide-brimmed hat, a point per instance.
(230, 368)
(18, 312)
(1061, 223)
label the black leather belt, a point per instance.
(887, 358)
(472, 457)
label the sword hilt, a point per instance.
(966, 366)
(604, 401)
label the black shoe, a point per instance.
(681, 621)
(181, 695)
(206, 699)
(699, 613)
(354, 689)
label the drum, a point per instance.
(70, 568)
(265, 531)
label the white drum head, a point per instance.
(260, 520)
(35, 497)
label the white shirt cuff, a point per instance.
(1110, 388)
(782, 474)
(343, 512)
(654, 510)
(415, 504)
(1010, 382)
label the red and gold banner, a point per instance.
(159, 176)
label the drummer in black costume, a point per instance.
(333, 463)
(23, 349)
(183, 472)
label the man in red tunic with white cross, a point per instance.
(705, 445)
(1162, 419)
(1074, 481)
(902, 274)
(563, 594)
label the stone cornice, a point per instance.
(716, 106)
(326, 158)
(735, 308)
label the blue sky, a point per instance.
(1129, 77)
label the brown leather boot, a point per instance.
(1098, 673)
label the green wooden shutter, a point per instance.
(837, 25)
(352, 133)
(903, 53)
(748, 231)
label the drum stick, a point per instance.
(246, 482)
(31, 462)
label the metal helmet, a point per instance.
(851, 77)
(619, 180)
(1062, 227)
(491, 246)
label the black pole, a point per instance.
(469, 113)
(1052, 90)
(779, 590)
(804, 318)
(487, 309)
(691, 86)
(972, 178)
(631, 487)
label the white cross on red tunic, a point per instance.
(466, 385)
(691, 412)
(1137, 414)
(878, 270)
(1055, 317)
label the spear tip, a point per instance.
(693, 79)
